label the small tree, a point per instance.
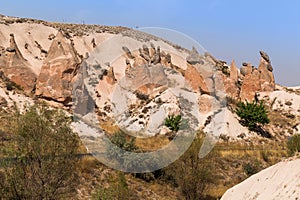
(252, 114)
(44, 152)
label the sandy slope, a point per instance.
(280, 181)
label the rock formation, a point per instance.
(60, 63)
(266, 76)
(195, 79)
(58, 70)
(257, 80)
(230, 82)
(127, 52)
(16, 67)
(251, 85)
(234, 73)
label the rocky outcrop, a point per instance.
(16, 67)
(146, 75)
(257, 80)
(234, 72)
(266, 73)
(58, 70)
(60, 62)
(230, 81)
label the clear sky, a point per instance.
(229, 29)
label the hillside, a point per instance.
(116, 79)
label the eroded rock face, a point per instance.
(251, 85)
(149, 80)
(195, 79)
(266, 76)
(58, 70)
(16, 67)
(234, 73)
(230, 82)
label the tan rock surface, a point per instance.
(251, 85)
(58, 70)
(266, 76)
(16, 67)
(195, 79)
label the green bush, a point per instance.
(120, 140)
(293, 144)
(45, 164)
(251, 168)
(173, 122)
(252, 114)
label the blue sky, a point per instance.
(229, 29)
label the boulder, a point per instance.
(265, 56)
(58, 70)
(246, 69)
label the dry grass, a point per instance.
(109, 126)
(229, 164)
(152, 143)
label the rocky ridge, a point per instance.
(43, 58)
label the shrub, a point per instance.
(12, 85)
(225, 70)
(251, 168)
(293, 144)
(120, 140)
(252, 114)
(192, 174)
(173, 122)
(44, 151)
